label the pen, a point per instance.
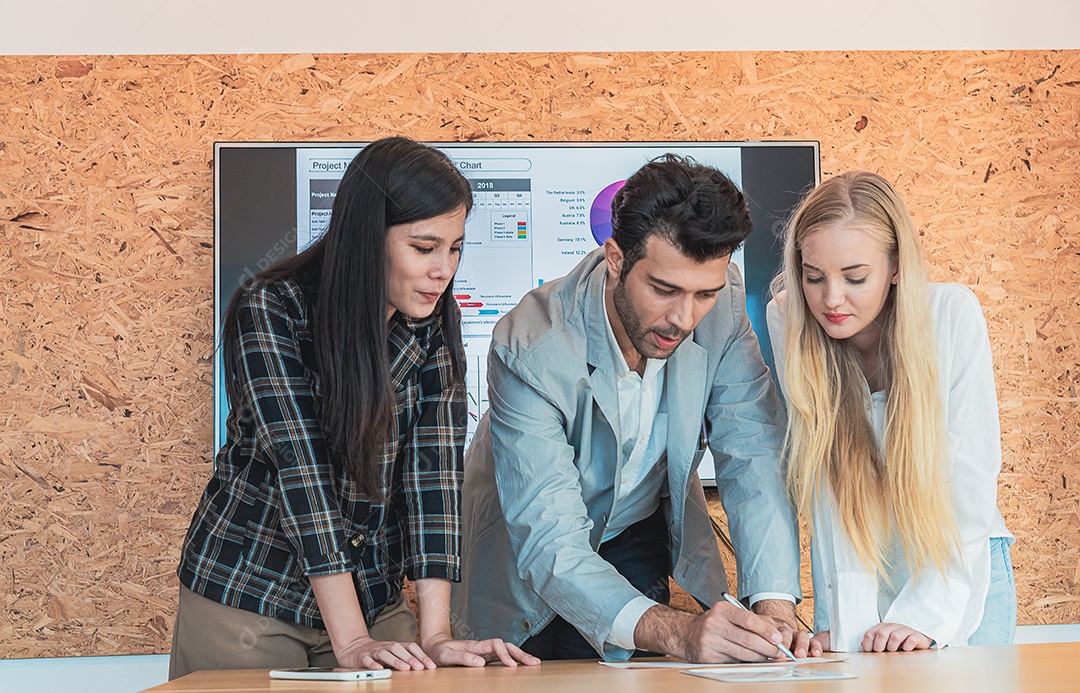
(737, 603)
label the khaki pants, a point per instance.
(209, 635)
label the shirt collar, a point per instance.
(408, 343)
(414, 324)
(653, 367)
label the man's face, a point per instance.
(664, 296)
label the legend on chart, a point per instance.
(503, 206)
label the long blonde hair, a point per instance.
(830, 443)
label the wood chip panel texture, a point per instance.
(107, 247)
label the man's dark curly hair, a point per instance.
(695, 207)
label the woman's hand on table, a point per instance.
(445, 651)
(366, 653)
(894, 637)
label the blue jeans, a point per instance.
(998, 625)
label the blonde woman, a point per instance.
(893, 445)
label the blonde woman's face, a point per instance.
(846, 277)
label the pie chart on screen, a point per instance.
(600, 213)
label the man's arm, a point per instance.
(746, 432)
(541, 498)
(746, 420)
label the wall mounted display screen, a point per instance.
(538, 208)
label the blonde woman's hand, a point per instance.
(894, 637)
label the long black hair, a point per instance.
(391, 181)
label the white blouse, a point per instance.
(947, 607)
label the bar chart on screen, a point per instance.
(476, 389)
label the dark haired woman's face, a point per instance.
(421, 259)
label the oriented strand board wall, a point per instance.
(106, 265)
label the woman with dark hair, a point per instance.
(342, 466)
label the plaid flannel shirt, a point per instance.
(280, 508)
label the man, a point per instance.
(580, 494)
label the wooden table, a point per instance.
(1054, 667)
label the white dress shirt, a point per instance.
(638, 486)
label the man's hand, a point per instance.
(781, 613)
(822, 642)
(724, 633)
(894, 637)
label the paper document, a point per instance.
(673, 664)
(763, 674)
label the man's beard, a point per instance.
(639, 335)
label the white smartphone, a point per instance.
(328, 674)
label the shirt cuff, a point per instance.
(433, 566)
(622, 630)
(762, 596)
(329, 564)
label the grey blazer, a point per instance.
(539, 474)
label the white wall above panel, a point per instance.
(68, 27)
